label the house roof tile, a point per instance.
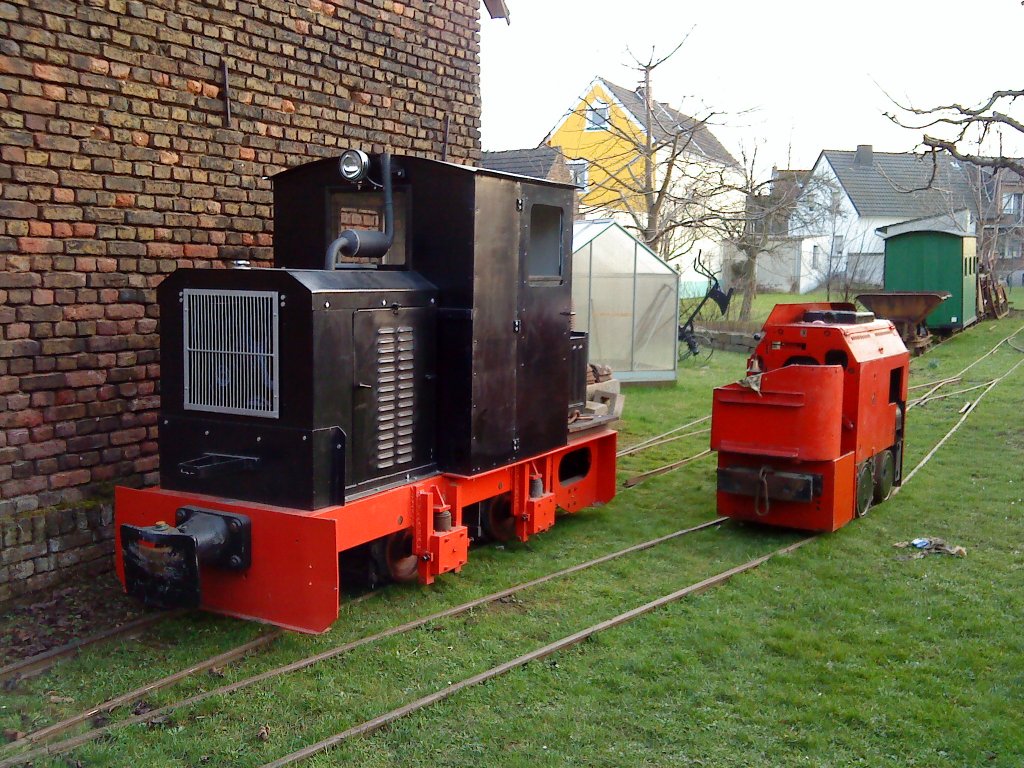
(667, 122)
(536, 162)
(902, 184)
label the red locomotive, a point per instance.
(814, 434)
(397, 384)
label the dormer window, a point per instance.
(598, 116)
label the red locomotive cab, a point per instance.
(814, 434)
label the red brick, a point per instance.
(165, 250)
(83, 312)
(125, 311)
(54, 92)
(195, 251)
(127, 436)
(39, 245)
(71, 477)
(12, 66)
(40, 229)
(34, 105)
(85, 378)
(12, 154)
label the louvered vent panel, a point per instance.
(231, 351)
(395, 396)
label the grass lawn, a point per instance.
(842, 653)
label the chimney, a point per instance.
(864, 155)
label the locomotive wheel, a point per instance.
(496, 518)
(885, 476)
(865, 489)
(395, 558)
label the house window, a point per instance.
(1013, 204)
(578, 172)
(837, 246)
(1011, 249)
(816, 257)
(598, 116)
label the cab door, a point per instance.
(543, 321)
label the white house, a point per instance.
(851, 194)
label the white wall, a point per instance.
(821, 220)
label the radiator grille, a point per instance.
(395, 396)
(231, 351)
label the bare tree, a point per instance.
(968, 133)
(755, 228)
(953, 127)
(655, 177)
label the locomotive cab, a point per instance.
(814, 434)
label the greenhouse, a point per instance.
(627, 299)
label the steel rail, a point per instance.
(43, 661)
(47, 733)
(369, 726)
(949, 434)
(643, 443)
(637, 449)
(956, 377)
(954, 393)
(75, 741)
(637, 479)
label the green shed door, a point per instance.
(969, 307)
(929, 261)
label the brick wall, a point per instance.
(118, 165)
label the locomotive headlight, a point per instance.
(354, 165)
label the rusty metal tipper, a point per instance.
(814, 434)
(908, 310)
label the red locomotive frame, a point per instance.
(293, 580)
(814, 434)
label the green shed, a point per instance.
(935, 254)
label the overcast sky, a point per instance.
(791, 76)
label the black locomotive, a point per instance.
(398, 382)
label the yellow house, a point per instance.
(600, 136)
(603, 138)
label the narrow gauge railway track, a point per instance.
(374, 724)
(38, 664)
(369, 726)
(34, 665)
(50, 732)
(95, 733)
